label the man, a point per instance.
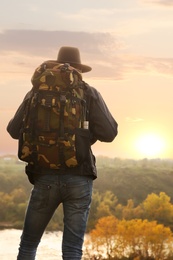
(70, 186)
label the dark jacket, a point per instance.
(102, 126)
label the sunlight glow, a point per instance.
(150, 145)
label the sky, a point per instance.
(127, 43)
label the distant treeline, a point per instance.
(123, 189)
(134, 179)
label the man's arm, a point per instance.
(102, 124)
(15, 124)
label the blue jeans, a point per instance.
(75, 193)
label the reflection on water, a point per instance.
(49, 248)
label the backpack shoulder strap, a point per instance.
(87, 98)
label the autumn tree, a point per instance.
(158, 207)
(103, 237)
(136, 238)
(157, 240)
(107, 205)
(145, 239)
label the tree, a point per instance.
(158, 207)
(128, 210)
(130, 239)
(107, 206)
(130, 233)
(157, 240)
(103, 237)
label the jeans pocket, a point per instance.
(79, 190)
(40, 196)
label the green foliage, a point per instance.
(126, 189)
(130, 179)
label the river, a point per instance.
(49, 248)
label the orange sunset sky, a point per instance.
(128, 44)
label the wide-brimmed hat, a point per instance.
(71, 55)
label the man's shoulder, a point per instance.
(90, 91)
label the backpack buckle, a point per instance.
(63, 98)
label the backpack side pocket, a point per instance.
(82, 144)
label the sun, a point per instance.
(150, 145)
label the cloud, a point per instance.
(134, 120)
(160, 2)
(33, 44)
(26, 49)
(144, 64)
(36, 42)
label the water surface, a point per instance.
(49, 248)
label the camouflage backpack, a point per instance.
(54, 130)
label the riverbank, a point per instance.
(49, 248)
